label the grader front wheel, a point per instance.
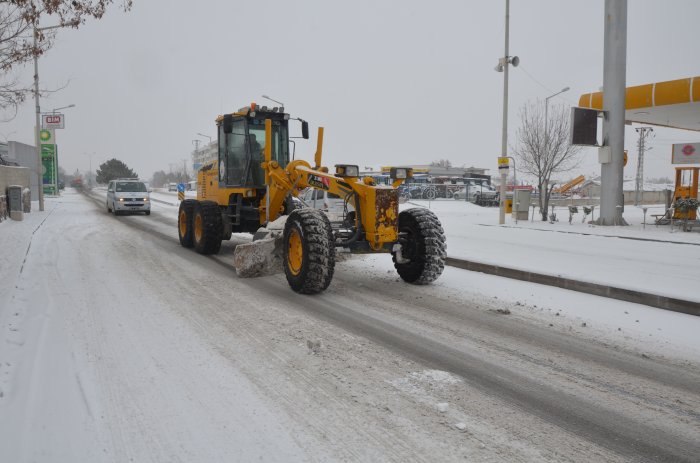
(309, 251)
(423, 249)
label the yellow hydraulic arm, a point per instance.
(376, 206)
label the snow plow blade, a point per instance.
(258, 258)
(262, 256)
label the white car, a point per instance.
(128, 195)
(332, 204)
(476, 193)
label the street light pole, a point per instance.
(546, 129)
(504, 133)
(275, 101)
(201, 134)
(39, 165)
(37, 128)
(89, 155)
(502, 66)
(546, 107)
(53, 111)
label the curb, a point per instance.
(627, 295)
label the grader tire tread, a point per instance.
(212, 228)
(187, 206)
(318, 250)
(429, 249)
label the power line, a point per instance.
(549, 90)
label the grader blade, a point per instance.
(262, 256)
(258, 258)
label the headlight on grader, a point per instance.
(347, 170)
(400, 173)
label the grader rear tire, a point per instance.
(423, 244)
(185, 222)
(309, 251)
(207, 228)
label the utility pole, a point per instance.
(503, 66)
(37, 127)
(614, 75)
(639, 180)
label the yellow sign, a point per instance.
(503, 162)
(181, 195)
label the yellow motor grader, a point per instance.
(249, 189)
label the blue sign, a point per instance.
(180, 187)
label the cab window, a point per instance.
(232, 153)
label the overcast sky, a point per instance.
(392, 82)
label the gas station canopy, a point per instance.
(674, 103)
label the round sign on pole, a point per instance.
(686, 153)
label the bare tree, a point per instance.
(17, 21)
(543, 147)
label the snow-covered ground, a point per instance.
(107, 352)
(659, 260)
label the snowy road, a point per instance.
(136, 348)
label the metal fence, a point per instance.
(478, 194)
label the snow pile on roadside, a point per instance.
(651, 259)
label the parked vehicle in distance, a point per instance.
(332, 204)
(172, 186)
(482, 194)
(128, 195)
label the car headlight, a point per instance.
(145, 199)
(121, 200)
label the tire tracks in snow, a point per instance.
(615, 429)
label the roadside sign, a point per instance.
(686, 153)
(503, 163)
(584, 127)
(48, 161)
(53, 121)
(181, 191)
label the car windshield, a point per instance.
(131, 187)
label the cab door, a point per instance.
(232, 154)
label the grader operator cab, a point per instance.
(249, 189)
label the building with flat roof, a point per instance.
(24, 156)
(204, 154)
